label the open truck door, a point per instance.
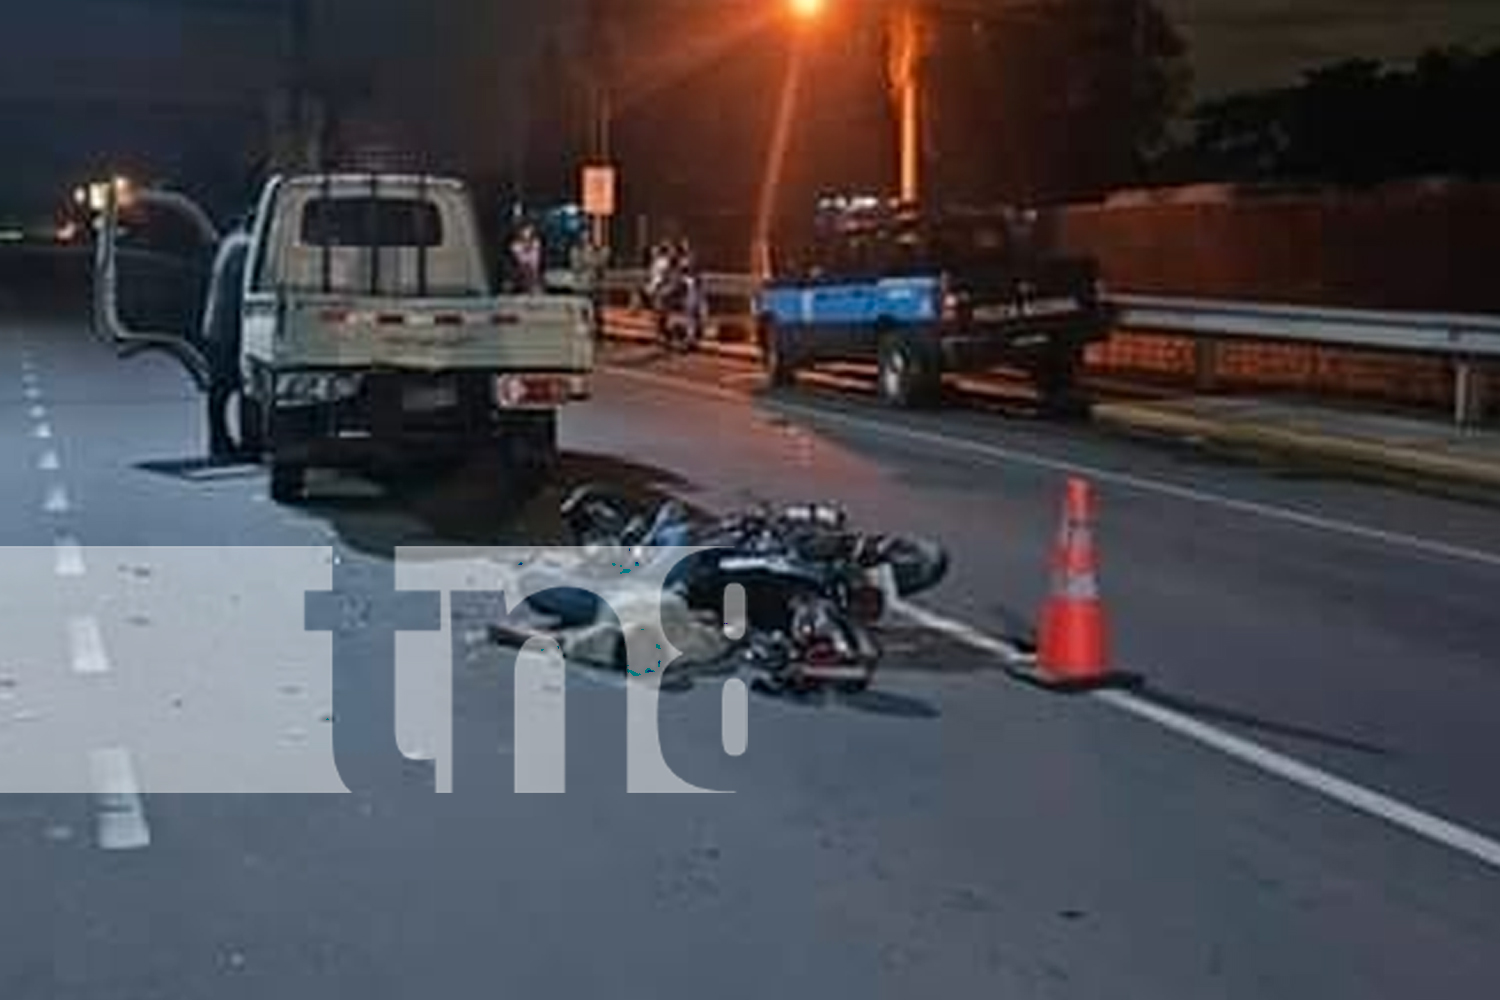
(206, 343)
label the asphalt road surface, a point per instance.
(1300, 803)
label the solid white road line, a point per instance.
(86, 646)
(69, 557)
(958, 630)
(48, 461)
(1330, 786)
(57, 500)
(121, 816)
(43, 432)
(1141, 484)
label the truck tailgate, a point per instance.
(510, 333)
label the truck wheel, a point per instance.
(780, 369)
(542, 442)
(222, 444)
(1056, 378)
(252, 429)
(528, 441)
(908, 377)
(287, 482)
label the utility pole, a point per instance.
(298, 122)
(601, 111)
(907, 40)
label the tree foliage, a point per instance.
(1043, 102)
(1354, 122)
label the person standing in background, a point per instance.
(590, 264)
(526, 260)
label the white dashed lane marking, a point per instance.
(37, 412)
(86, 645)
(57, 500)
(121, 816)
(69, 557)
(48, 461)
(43, 432)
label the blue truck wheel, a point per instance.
(775, 349)
(909, 376)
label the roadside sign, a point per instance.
(599, 190)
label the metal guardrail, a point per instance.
(724, 284)
(1470, 340)
(1459, 335)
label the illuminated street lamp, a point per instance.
(908, 37)
(805, 12)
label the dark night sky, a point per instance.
(174, 81)
(1240, 44)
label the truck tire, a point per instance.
(528, 441)
(908, 377)
(776, 354)
(252, 429)
(288, 481)
(222, 445)
(1056, 379)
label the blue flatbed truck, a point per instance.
(924, 294)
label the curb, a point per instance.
(629, 328)
(1147, 418)
(1370, 454)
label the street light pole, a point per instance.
(906, 40)
(601, 110)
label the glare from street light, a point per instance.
(806, 10)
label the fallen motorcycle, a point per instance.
(814, 587)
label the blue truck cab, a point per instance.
(924, 294)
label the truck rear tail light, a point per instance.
(505, 319)
(334, 317)
(391, 319)
(448, 319)
(953, 304)
(532, 390)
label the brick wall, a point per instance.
(1246, 365)
(1429, 246)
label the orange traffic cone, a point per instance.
(1073, 636)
